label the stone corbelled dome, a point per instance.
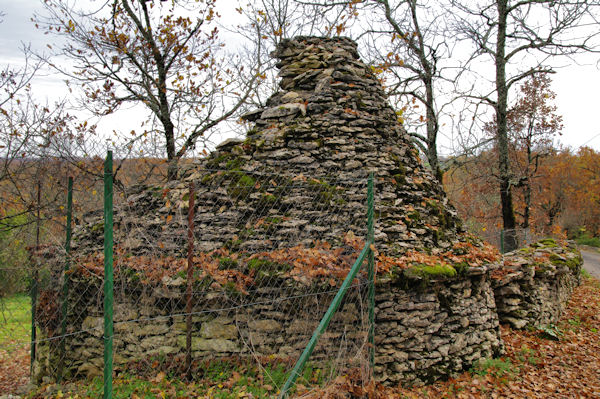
(331, 117)
(329, 120)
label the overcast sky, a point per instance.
(577, 86)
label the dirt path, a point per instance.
(591, 260)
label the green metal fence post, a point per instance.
(108, 275)
(65, 287)
(337, 300)
(501, 241)
(34, 279)
(371, 272)
(190, 278)
(335, 304)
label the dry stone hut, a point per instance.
(279, 218)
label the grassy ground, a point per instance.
(15, 335)
(221, 380)
(15, 320)
(589, 241)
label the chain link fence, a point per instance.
(219, 278)
(499, 237)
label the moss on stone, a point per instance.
(226, 263)
(233, 244)
(547, 243)
(265, 270)
(428, 272)
(461, 268)
(231, 289)
(324, 192)
(572, 263)
(267, 200)
(412, 218)
(438, 210)
(399, 171)
(526, 250)
(438, 235)
(241, 185)
(216, 162)
(267, 266)
(227, 161)
(400, 179)
(98, 227)
(252, 132)
(270, 224)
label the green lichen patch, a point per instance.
(226, 263)
(241, 185)
(546, 243)
(428, 272)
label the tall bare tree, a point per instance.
(152, 54)
(409, 40)
(522, 38)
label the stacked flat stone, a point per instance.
(536, 283)
(329, 120)
(331, 116)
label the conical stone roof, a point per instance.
(329, 122)
(331, 117)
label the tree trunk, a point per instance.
(508, 214)
(172, 159)
(432, 128)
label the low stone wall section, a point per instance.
(425, 329)
(430, 329)
(536, 282)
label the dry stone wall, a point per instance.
(425, 330)
(434, 330)
(150, 325)
(534, 286)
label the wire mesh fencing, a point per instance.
(220, 278)
(500, 238)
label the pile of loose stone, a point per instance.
(299, 177)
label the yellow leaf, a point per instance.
(169, 218)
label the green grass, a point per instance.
(217, 379)
(585, 273)
(15, 320)
(496, 367)
(587, 240)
